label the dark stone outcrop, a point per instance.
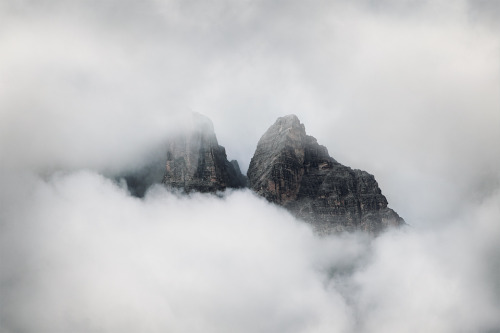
(196, 162)
(242, 179)
(291, 169)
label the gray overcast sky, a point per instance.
(406, 90)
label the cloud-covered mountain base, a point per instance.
(79, 254)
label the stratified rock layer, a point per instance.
(196, 162)
(291, 169)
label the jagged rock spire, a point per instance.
(291, 169)
(195, 160)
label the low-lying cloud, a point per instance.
(80, 254)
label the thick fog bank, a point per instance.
(79, 254)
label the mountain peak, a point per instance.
(201, 123)
(287, 123)
(195, 160)
(291, 120)
(291, 169)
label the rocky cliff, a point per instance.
(291, 169)
(196, 162)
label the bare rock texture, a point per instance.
(196, 162)
(291, 169)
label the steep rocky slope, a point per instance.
(196, 162)
(291, 169)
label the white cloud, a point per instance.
(440, 281)
(83, 255)
(95, 258)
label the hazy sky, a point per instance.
(406, 90)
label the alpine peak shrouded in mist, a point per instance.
(291, 169)
(196, 162)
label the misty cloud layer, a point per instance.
(79, 253)
(407, 90)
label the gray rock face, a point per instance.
(291, 169)
(242, 179)
(196, 162)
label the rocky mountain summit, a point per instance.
(291, 169)
(196, 162)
